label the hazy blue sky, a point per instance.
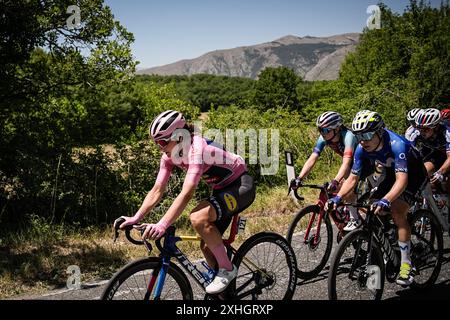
(170, 30)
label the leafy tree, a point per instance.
(277, 87)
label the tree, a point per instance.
(277, 87)
(48, 71)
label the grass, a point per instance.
(36, 260)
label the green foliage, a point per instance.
(408, 57)
(294, 135)
(206, 91)
(277, 87)
(73, 122)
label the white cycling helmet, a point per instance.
(367, 121)
(329, 119)
(429, 118)
(165, 124)
(412, 114)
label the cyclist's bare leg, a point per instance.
(430, 168)
(399, 211)
(209, 256)
(202, 219)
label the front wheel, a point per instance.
(266, 268)
(133, 280)
(351, 277)
(310, 241)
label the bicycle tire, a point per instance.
(302, 249)
(253, 249)
(146, 264)
(435, 236)
(350, 241)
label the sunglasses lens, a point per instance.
(324, 130)
(365, 136)
(162, 143)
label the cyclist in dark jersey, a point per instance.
(342, 141)
(433, 142)
(233, 190)
(404, 177)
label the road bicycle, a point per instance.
(311, 232)
(266, 270)
(369, 255)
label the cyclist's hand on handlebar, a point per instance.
(296, 183)
(437, 176)
(380, 207)
(333, 186)
(332, 203)
(154, 231)
(119, 223)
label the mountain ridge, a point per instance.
(313, 58)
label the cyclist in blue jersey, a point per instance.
(412, 132)
(404, 177)
(342, 141)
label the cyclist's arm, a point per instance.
(344, 170)
(180, 202)
(401, 181)
(446, 166)
(350, 144)
(348, 185)
(151, 200)
(309, 165)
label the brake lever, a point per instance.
(116, 225)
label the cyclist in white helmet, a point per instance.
(404, 177)
(433, 142)
(412, 132)
(233, 190)
(335, 135)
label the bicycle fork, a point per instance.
(158, 277)
(308, 229)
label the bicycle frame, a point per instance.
(376, 234)
(323, 198)
(169, 250)
(428, 196)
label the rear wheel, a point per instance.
(266, 269)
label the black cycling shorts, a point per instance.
(233, 199)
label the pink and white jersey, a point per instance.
(204, 158)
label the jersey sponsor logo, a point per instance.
(401, 170)
(402, 156)
(230, 201)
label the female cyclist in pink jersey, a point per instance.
(233, 190)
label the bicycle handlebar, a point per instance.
(312, 186)
(127, 230)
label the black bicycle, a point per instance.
(369, 255)
(266, 270)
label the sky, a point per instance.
(167, 31)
